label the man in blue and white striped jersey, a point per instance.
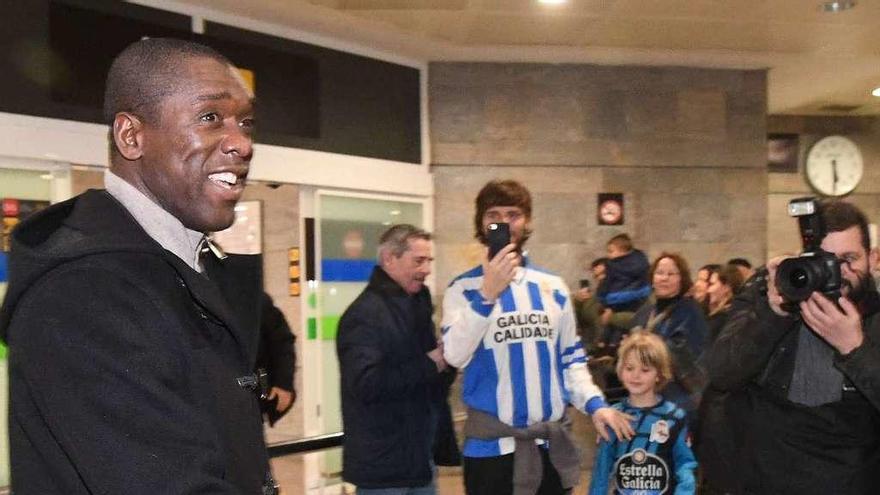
(510, 326)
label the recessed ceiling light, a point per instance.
(834, 7)
(876, 92)
(552, 2)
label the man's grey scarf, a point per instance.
(815, 380)
(527, 468)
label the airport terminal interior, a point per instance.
(687, 124)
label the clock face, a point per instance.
(834, 166)
(610, 212)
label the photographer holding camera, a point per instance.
(800, 354)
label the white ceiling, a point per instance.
(815, 58)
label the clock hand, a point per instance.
(834, 173)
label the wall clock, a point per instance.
(834, 166)
(610, 211)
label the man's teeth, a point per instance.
(224, 179)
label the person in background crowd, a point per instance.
(510, 326)
(600, 326)
(625, 286)
(717, 425)
(701, 283)
(723, 285)
(679, 321)
(131, 356)
(276, 356)
(391, 367)
(588, 309)
(744, 267)
(810, 376)
(661, 441)
(598, 268)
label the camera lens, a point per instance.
(799, 278)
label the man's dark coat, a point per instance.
(391, 390)
(123, 361)
(784, 447)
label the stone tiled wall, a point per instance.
(685, 146)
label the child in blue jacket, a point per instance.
(627, 284)
(659, 458)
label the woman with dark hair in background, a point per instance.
(723, 285)
(678, 319)
(701, 285)
(715, 445)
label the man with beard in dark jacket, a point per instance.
(805, 403)
(130, 356)
(391, 364)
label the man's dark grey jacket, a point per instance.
(123, 361)
(785, 447)
(390, 387)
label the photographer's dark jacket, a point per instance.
(786, 447)
(391, 389)
(124, 361)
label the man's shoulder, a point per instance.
(367, 304)
(543, 276)
(102, 293)
(122, 263)
(105, 272)
(475, 273)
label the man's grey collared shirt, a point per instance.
(162, 226)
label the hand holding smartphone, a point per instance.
(497, 274)
(498, 236)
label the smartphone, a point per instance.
(584, 283)
(498, 235)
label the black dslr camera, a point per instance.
(816, 270)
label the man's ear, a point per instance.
(128, 135)
(384, 257)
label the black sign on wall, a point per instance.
(57, 53)
(80, 58)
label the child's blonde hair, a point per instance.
(650, 350)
